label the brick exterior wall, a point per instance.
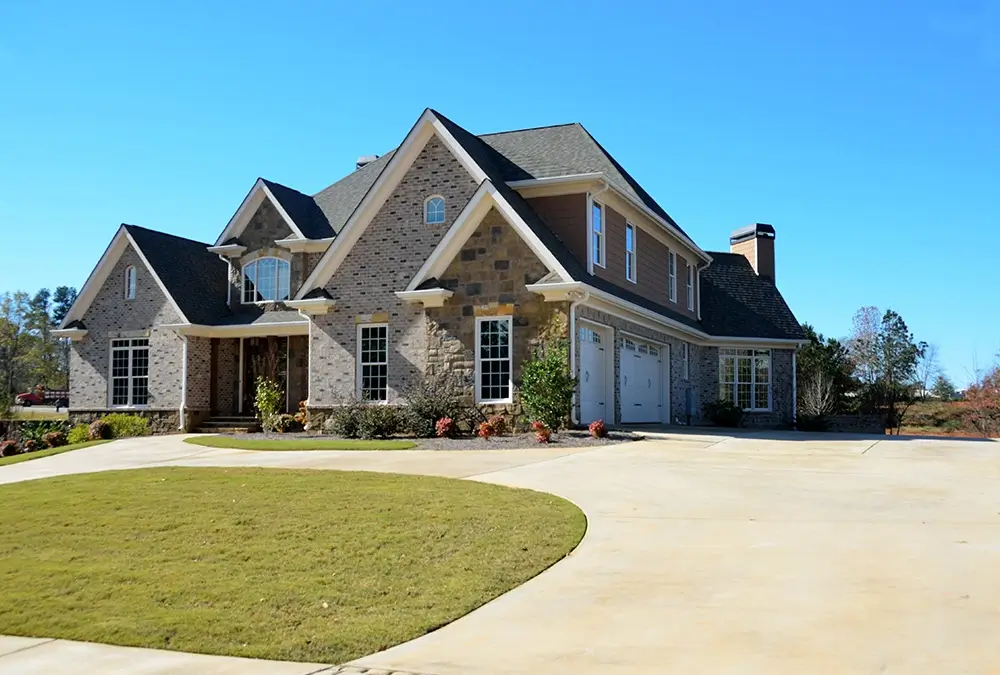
(199, 374)
(227, 374)
(488, 278)
(385, 258)
(298, 370)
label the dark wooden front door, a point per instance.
(267, 356)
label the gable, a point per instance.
(264, 227)
(110, 311)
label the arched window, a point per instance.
(130, 283)
(434, 210)
(265, 280)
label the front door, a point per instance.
(263, 356)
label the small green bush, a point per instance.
(380, 421)
(99, 430)
(547, 386)
(286, 422)
(36, 430)
(78, 434)
(724, 413)
(269, 400)
(126, 426)
(431, 400)
(343, 420)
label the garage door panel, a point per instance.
(641, 395)
(593, 376)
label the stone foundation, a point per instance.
(160, 421)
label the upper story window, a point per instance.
(130, 283)
(597, 234)
(434, 210)
(266, 280)
(672, 276)
(690, 288)
(630, 252)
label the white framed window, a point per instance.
(493, 359)
(434, 210)
(690, 287)
(672, 276)
(129, 381)
(373, 362)
(630, 262)
(597, 253)
(266, 280)
(685, 361)
(130, 283)
(745, 378)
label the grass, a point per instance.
(48, 452)
(30, 415)
(296, 444)
(318, 566)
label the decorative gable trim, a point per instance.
(305, 245)
(426, 127)
(248, 207)
(484, 199)
(121, 241)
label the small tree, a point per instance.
(928, 370)
(982, 401)
(944, 389)
(268, 399)
(547, 386)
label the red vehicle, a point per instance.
(60, 399)
(28, 399)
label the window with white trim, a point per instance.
(493, 359)
(130, 283)
(266, 280)
(434, 210)
(630, 252)
(685, 361)
(745, 378)
(690, 288)
(597, 234)
(373, 362)
(672, 276)
(129, 372)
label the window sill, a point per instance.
(128, 407)
(499, 401)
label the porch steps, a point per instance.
(229, 425)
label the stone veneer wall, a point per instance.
(384, 259)
(488, 279)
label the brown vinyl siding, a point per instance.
(614, 243)
(566, 216)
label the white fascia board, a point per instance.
(228, 251)
(646, 317)
(241, 330)
(281, 210)
(248, 207)
(102, 271)
(726, 341)
(428, 297)
(312, 305)
(553, 292)
(305, 245)
(73, 334)
(555, 180)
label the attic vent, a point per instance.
(365, 160)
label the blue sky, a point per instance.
(866, 133)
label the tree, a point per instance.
(62, 300)
(14, 345)
(982, 401)
(944, 389)
(823, 371)
(928, 370)
(885, 357)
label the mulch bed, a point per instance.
(573, 438)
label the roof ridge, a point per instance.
(165, 234)
(351, 174)
(544, 126)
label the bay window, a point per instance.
(745, 378)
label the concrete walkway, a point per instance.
(763, 553)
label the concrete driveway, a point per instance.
(762, 553)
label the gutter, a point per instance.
(184, 383)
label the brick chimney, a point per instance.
(756, 243)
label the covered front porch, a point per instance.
(236, 363)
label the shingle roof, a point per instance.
(338, 201)
(195, 278)
(736, 302)
(302, 209)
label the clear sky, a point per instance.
(867, 133)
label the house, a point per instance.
(453, 255)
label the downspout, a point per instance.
(229, 280)
(795, 392)
(184, 382)
(572, 348)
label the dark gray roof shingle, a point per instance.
(338, 201)
(302, 209)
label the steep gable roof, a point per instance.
(736, 302)
(338, 201)
(302, 209)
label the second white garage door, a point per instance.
(641, 390)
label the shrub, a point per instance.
(379, 421)
(54, 439)
(78, 434)
(547, 386)
(445, 428)
(30, 445)
(812, 423)
(499, 423)
(431, 400)
(126, 426)
(302, 416)
(268, 399)
(343, 420)
(543, 433)
(99, 430)
(283, 423)
(724, 413)
(36, 430)
(486, 430)
(598, 429)
(8, 448)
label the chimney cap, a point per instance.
(752, 231)
(364, 160)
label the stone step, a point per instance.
(239, 419)
(226, 430)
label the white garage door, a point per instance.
(593, 376)
(641, 393)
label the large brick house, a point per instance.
(453, 255)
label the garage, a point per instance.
(641, 381)
(594, 399)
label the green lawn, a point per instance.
(319, 566)
(48, 452)
(297, 444)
